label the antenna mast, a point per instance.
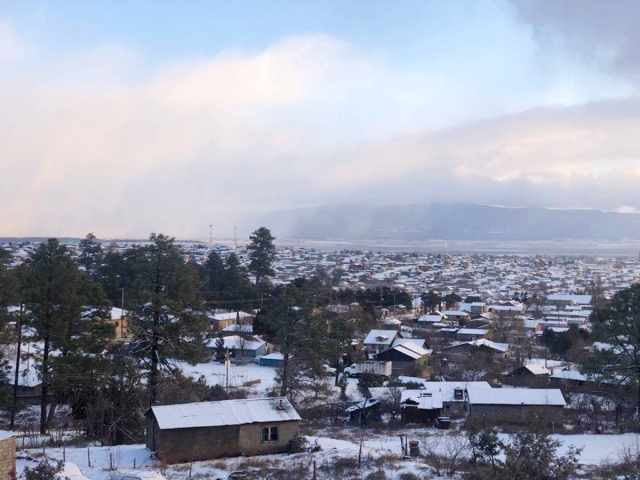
(210, 235)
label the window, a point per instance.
(270, 434)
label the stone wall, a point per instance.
(192, 444)
(251, 440)
(7, 458)
(490, 415)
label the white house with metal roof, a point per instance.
(208, 430)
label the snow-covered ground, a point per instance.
(239, 375)
(379, 450)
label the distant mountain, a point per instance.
(446, 222)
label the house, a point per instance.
(516, 406)
(380, 340)
(207, 430)
(560, 300)
(220, 321)
(275, 359)
(459, 316)
(531, 374)
(120, 322)
(474, 308)
(470, 334)
(7, 455)
(240, 347)
(420, 406)
(406, 355)
(499, 350)
(433, 317)
(363, 412)
(235, 329)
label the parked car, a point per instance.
(137, 475)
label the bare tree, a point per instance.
(445, 452)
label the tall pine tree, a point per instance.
(262, 253)
(166, 318)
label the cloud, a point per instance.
(579, 157)
(100, 141)
(599, 33)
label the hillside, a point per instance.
(445, 221)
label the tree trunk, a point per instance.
(153, 377)
(45, 385)
(638, 401)
(285, 375)
(14, 403)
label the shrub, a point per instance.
(377, 475)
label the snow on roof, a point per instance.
(392, 321)
(416, 341)
(572, 375)
(236, 342)
(4, 434)
(456, 313)
(411, 350)
(274, 356)
(447, 389)
(238, 328)
(117, 313)
(366, 403)
(516, 396)
(422, 399)
(537, 369)
(473, 331)
(380, 337)
(226, 412)
(483, 342)
(229, 315)
(432, 317)
(579, 299)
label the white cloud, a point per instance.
(96, 142)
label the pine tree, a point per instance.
(67, 311)
(617, 324)
(167, 319)
(220, 350)
(91, 255)
(262, 253)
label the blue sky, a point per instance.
(515, 102)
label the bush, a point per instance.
(408, 476)
(43, 471)
(377, 475)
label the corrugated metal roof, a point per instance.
(226, 412)
(516, 396)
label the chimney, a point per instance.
(281, 405)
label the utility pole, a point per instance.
(122, 313)
(210, 233)
(14, 404)
(227, 362)
(235, 237)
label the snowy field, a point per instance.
(381, 450)
(239, 375)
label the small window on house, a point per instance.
(270, 434)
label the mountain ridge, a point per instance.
(441, 221)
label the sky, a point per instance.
(125, 118)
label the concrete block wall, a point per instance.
(7, 458)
